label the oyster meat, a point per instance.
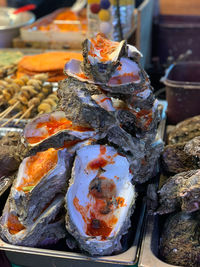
(36, 197)
(100, 199)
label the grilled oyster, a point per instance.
(100, 199)
(79, 106)
(181, 191)
(179, 244)
(46, 229)
(101, 57)
(54, 130)
(36, 198)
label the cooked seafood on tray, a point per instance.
(82, 162)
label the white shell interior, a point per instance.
(127, 67)
(116, 169)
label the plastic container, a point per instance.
(182, 81)
(174, 35)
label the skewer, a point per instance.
(23, 115)
(12, 118)
(8, 110)
(2, 113)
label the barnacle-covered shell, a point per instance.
(180, 191)
(100, 199)
(185, 130)
(37, 180)
(180, 240)
(79, 106)
(44, 231)
(101, 57)
(54, 130)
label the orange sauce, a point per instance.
(14, 225)
(96, 227)
(82, 75)
(104, 46)
(53, 126)
(125, 78)
(37, 166)
(97, 163)
(104, 99)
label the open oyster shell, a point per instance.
(101, 57)
(100, 199)
(128, 78)
(54, 130)
(36, 198)
(44, 231)
(31, 186)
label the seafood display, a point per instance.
(179, 195)
(83, 161)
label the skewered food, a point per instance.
(8, 62)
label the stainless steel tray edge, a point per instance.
(149, 246)
(129, 257)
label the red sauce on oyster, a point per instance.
(36, 167)
(123, 79)
(52, 126)
(14, 225)
(104, 46)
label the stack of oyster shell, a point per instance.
(88, 154)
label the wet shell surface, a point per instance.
(100, 199)
(101, 57)
(36, 197)
(54, 130)
(127, 78)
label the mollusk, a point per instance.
(100, 199)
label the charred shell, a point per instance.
(180, 192)
(29, 196)
(100, 199)
(31, 216)
(101, 57)
(53, 130)
(45, 230)
(79, 106)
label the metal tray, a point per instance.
(59, 257)
(31, 257)
(149, 256)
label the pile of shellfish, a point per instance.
(82, 161)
